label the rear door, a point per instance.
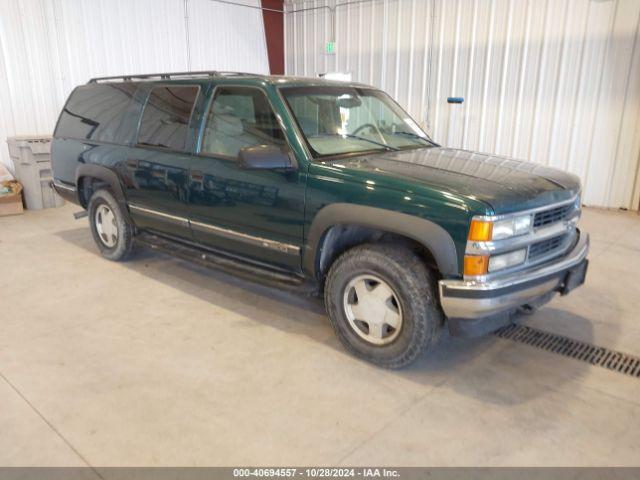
(255, 213)
(158, 163)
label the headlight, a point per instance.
(481, 230)
(486, 230)
(511, 227)
(506, 260)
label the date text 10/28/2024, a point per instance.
(316, 472)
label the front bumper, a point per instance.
(469, 300)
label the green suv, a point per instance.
(323, 186)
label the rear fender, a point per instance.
(105, 175)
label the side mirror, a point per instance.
(266, 157)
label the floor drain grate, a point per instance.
(585, 352)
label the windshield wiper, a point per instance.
(146, 144)
(348, 135)
(411, 134)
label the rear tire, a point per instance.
(112, 230)
(382, 303)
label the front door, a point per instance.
(253, 213)
(159, 163)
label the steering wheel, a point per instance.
(362, 127)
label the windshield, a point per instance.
(342, 120)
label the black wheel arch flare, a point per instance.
(429, 234)
(106, 175)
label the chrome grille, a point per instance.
(546, 248)
(551, 247)
(554, 232)
(547, 217)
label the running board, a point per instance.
(220, 261)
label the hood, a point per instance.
(505, 184)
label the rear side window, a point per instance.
(166, 115)
(95, 111)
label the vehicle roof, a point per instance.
(290, 81)
(226, 77)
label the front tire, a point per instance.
(111, 228)
(381, 300)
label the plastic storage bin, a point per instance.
(31, 157)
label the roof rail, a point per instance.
(166, 76)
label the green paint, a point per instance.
(445, 186)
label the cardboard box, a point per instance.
(11, 204)
(5, 175)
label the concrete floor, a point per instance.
(158, 362)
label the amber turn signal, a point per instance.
(480, 231)
(476, 265)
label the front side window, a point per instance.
(341, 120)
(239, 117)
(166, 115)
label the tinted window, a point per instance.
(95, 111)
(166, 117)
(240, 117)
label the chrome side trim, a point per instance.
(243, 237)
(68, 188)
(155, 213)
(463, 303)
(222, 232)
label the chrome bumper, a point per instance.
(471, 300)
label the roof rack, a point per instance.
(166, 76)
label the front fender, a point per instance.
(429, 234)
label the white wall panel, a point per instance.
(231, 38)
(552, 81)
(49, 46)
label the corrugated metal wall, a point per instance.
(553, 81)
(49, 46)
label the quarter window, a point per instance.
(166, 117)
(240, 117)
(95, 111)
